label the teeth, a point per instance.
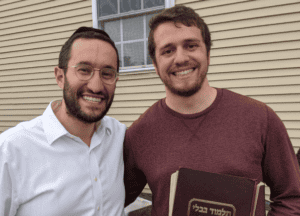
(92, 99)
(183, 72)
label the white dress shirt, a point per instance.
(46, 171)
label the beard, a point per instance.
(74, 109)
(188, 91)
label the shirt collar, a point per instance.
(52, 127)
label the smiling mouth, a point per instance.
(182, 73)
(92, 99)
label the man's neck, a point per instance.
(74, 126)
(193, 104)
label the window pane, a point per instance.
(153, 3)
(133, 28)
(129, 5)
(118, 46)
(148, 17)
(112, 28)
(107, 7)
(134, 54)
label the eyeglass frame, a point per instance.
(93, 72)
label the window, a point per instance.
(126, 22)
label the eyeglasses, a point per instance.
(85, 72)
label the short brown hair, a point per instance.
(178, 14)
(86, 33)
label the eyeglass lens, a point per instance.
(85, 72)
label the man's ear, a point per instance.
(59, 76)
(117, 80)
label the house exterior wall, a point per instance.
(31, 36)
(255, 52)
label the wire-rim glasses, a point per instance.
(85, 72)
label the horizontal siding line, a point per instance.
(38, 36)
(122, 82)
(233, 4)
(65, 35)
(221, 45)
(117, 99)
(46, 18)
(49, 24)
(213, 55)
(287, 27)
(21, 4)
(146, 104)
(46, 31)
(264, 83)
(54, 62)
(55, 55)
(209, 4)
(7, 2)
(248, 14)
(46, 9)
(26, 4)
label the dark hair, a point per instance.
(178, 14)
(87, 33)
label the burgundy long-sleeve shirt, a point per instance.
(236, 135)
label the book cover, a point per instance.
(199, 193)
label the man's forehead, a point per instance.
(170, 32)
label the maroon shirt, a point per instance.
(236, 135)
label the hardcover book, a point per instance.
(199, 193)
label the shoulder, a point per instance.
(17, 140)
(22, 131)
(113, 123)
(249, 108)
(241, 100)
(147, 118)
(242, 104)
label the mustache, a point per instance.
(101, 93)
(172, 69)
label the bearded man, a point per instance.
(69, 161)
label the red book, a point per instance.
(199, 193)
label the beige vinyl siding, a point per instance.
(31, 35)
(255, 52)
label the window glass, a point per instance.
(107, 7)
(153, 3)
(129, 5)
(118, 46)
(112, 28)
(133, 28)
(134, 54)
(148, 17)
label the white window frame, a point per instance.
(142, 68)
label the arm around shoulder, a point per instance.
(134, 178)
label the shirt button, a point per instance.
(96, 180)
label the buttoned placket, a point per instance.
(95, 170)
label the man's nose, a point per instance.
(181, 56)
(96, 84)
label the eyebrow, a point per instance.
(185, 41)
(88, 63)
